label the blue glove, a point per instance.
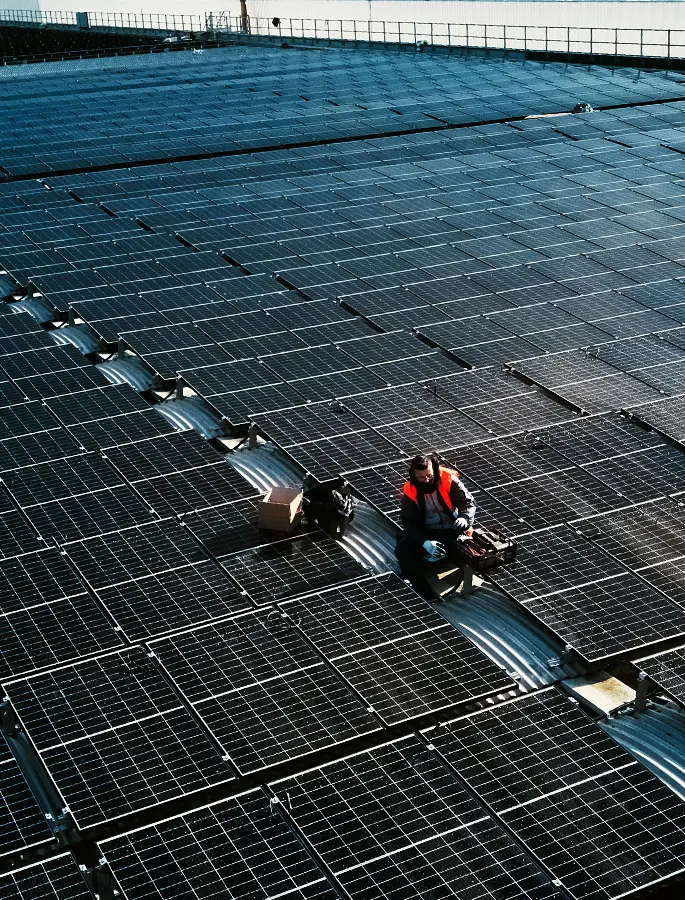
(461, 524)
(434, 550)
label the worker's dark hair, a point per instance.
(423, 462)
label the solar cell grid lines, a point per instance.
(110, 767)
(611, 617)
(426, 797)
(553, 560)
(193, 489)
(644, 475)
(60, 480)
(36, 578)
(420, 820)
(286, 568)
(58, 876)
(247, 848)
(309, 423)
(176, 452)
(133, 553)
(554, 743)
(506, 461)
(391, 651)
(620, 533)
(262, 691)
(547, 500)
(505, 241)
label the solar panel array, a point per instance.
(509, 295)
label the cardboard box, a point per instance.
(281, 509)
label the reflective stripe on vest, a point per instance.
(444, 484)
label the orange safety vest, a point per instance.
(444, 483)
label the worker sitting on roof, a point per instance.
(436, 509)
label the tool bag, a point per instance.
(484, 550)
(329, 508)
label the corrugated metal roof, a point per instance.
(191, 412)
(131, 370)
(510, 636)
(656, 737)
(266, 466)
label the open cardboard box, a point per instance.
(281, 509)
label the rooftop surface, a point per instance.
(366, 255)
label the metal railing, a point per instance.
(637, 42)
(630, 42)
(128, 21)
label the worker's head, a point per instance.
(423, 473)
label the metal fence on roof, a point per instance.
(641, 43)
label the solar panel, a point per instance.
(58, 877)
(419, 368)
(177, 452)
(115, 737)
(53, 633)
(548, 500)
(25, 418)
(58, 480)
(435, 432)
(68, 381)
(630, 798)
(229, 376)
(262, 690)
(402, 657)
(35, 578)
(19, 453)
(328, 458)
(286, 568)
(394, 820)
(552, 743)
(395, 405)
(473, 387)
(621, 533)
(309, 423)
(644, 475)
(235, 848)
(562, 787)
(665, 415)
(553, 561)
(518, 414)
(50, 359)
(230, 528)
(340, 384)
(193, 489)
(509, 460)
(610, 617)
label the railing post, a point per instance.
(486, 37)
(432, 40)
(546, 40)
(641, 42)
(354, 22)
(525, 37)
(668, 46)
(615, 41)
(505, 37)
(449, 35)
(591, 31)
(467, 35)
(384, 38)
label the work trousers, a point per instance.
(412, 558)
